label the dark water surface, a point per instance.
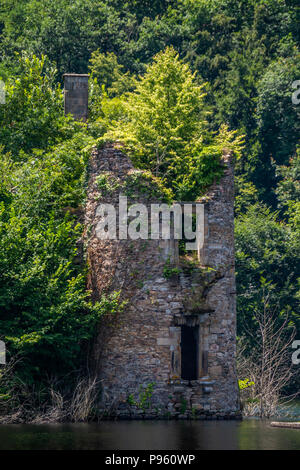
(149, 435)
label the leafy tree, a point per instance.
(265, 249)
(46, 313)
(109, 73)
(288, 188)
(32, 116)
(164, 127)
(236, 97)
(277, 117)
(107, 83)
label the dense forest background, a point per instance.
(233, 61)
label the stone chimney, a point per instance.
(76, 95)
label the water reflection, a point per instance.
(150, 435)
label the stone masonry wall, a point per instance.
(140, 349)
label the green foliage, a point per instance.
(46, 312)
(140, 182)
(108, 82)
(107, 183)
(32, 116)
(164, 128)
(162, 113)
(245, 383)
(183, 406)
(137, 183)
(265, 249)
(170, 271)
(277, 118)
(246, 194)
(109, 73)
(288, 189)
(145, 396)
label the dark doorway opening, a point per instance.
(189, 352)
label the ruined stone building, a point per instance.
(171, 352)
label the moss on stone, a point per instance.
(143, 182)
(107, 183)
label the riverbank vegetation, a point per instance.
(177, 81)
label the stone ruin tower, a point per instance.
(171, 352)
